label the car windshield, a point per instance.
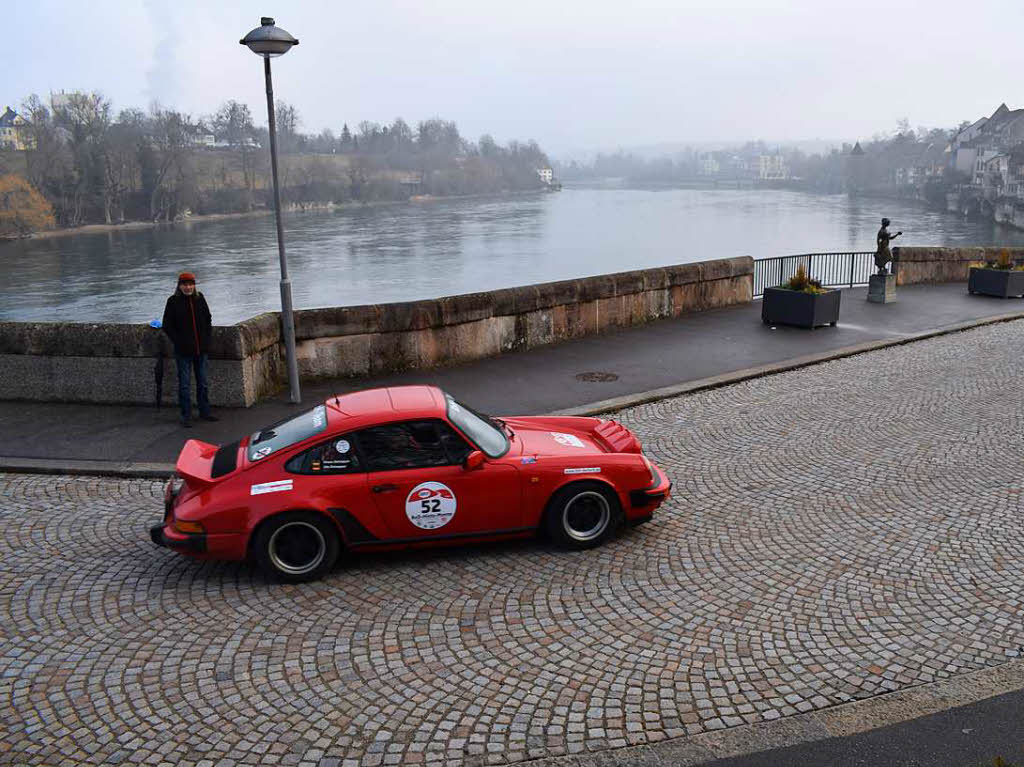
(287, 432)
(487, 434)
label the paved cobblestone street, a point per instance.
(835, 533)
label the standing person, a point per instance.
(188, 324)
(882, 254)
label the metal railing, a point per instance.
(833, 270)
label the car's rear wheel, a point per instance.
(583, 515)
(297, 546)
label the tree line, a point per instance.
(93, 166)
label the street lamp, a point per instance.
(269, 41)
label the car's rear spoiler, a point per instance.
(195, 463)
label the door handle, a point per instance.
(384, 488)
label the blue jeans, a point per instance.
(186, 363)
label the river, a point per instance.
(442, 247)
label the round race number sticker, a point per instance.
(430, 505)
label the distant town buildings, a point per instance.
(11, 134)
(772, 167)
(976, 170)
(546, 175)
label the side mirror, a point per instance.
(473, 461)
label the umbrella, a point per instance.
(158, 367)
(158, 374)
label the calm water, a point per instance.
(422, 250)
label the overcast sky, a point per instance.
(573, 75)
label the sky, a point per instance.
(573, 75)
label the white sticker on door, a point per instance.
(569, 440)
(430, 505)
(282, 485)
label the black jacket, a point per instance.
(187, 323)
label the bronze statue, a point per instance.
(883, 255)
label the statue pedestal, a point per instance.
(882, 288)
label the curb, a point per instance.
(834, 722)
(714, 382)
(130, 470)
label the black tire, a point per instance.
(583, 515)
(296, 546)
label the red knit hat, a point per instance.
(186, 277)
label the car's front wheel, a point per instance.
(297, 546)
(583, 515)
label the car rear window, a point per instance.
(288, 432)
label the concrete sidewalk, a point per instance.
(716, 345)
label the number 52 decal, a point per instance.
(430, 505)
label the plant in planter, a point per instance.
(1002, 278)
(801, 302)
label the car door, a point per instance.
(416, 478)
(332, 476)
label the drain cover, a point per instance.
(597, 377)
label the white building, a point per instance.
(546, 175)
(772, 167)
(981, 162)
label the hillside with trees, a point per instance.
(92, 166)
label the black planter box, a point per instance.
(995, 282)
(793, 307)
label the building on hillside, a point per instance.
(546, 175)
(918, 168)
(12, 131)
(1014, 186)
(203, 137)
(973, 146)
(984, 156)
(994, 175)
(969, 133)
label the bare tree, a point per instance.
(166, 160)
(234, 122)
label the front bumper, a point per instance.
(659, 490)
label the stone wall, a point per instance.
(86, 362)
(366, 340)
(944, 264)
(71, 362)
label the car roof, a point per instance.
(388, 403)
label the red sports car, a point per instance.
(398, 467)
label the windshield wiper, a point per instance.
(505, 426)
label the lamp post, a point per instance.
(269, 41)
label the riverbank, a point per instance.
(306, 207)
(128, 226)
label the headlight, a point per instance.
(650, 470)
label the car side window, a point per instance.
(409, 445)
(456, 447)
(338, 456)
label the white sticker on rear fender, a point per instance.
(271, 487)
(587, 470)
(569, 440)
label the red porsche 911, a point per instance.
(398, 467)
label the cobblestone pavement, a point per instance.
(836, 532)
